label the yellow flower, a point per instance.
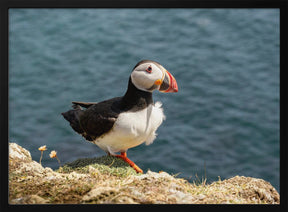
(42, 148)
(53, 154)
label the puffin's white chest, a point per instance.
(132, 129)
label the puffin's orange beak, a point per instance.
(169, 84)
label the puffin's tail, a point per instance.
(73, 117)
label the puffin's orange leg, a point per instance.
(123, 156)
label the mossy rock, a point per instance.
(108, 179)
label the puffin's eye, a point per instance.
(149, 69)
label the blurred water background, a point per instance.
(224, 121)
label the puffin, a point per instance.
(118, 124)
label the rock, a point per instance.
(30, 199)
(100, 194)
(17, 152)
(254, 188)
(107, 180)
(31, 167)
(107, 195)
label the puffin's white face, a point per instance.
(149, 76)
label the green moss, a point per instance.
(105, 165)
(104, 160)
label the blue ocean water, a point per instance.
(224, 121)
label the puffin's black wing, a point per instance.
(98, 119)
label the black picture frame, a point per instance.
(5, 5)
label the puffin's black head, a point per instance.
(149, 75)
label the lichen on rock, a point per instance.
(109, 180)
